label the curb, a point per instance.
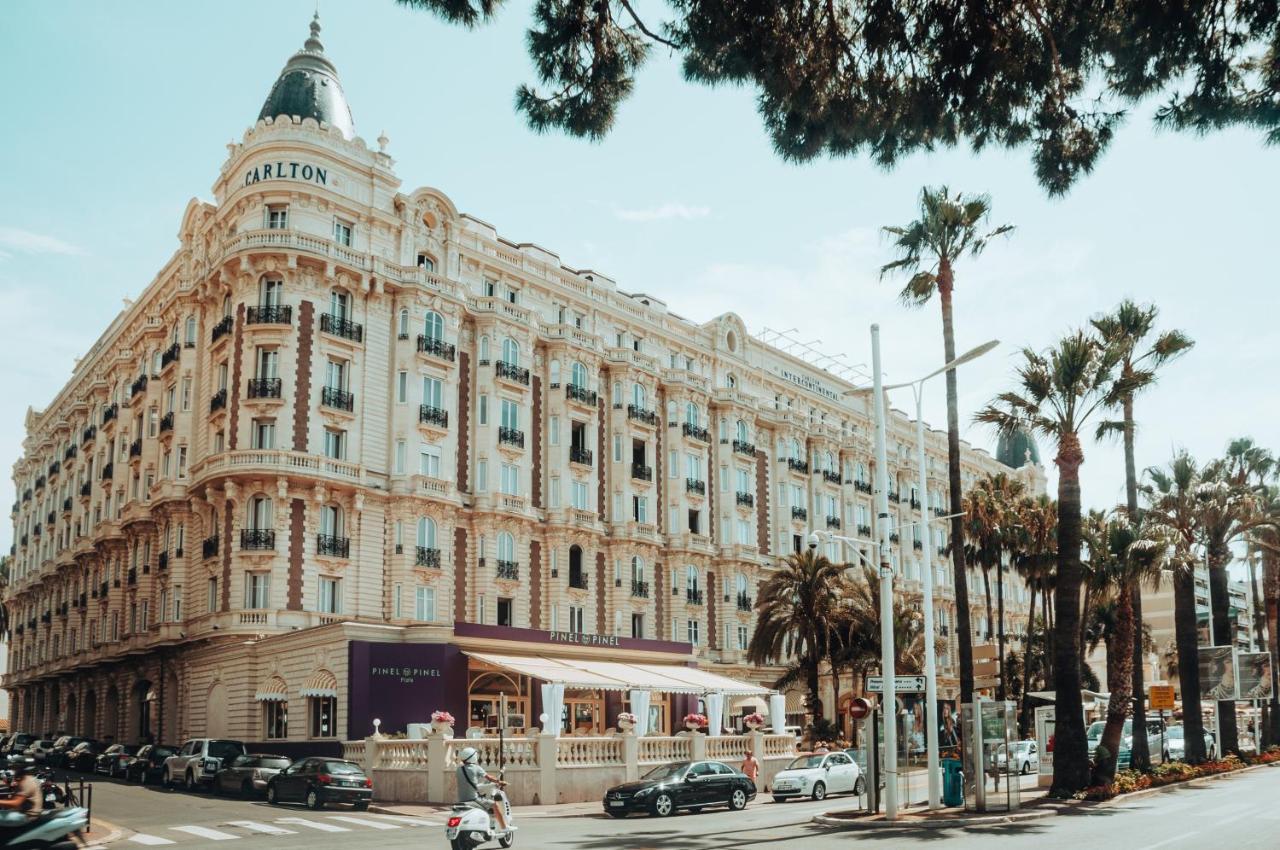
(1147, 792)
(115, 834)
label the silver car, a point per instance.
(248, 775)
(1026, 757)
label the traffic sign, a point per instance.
(859, 708)
(1160, 698)
(901, 684)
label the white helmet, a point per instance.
(467, 755)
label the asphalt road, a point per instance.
(1237, 812)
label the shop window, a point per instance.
(505, 616)
(276, 726)
(324, 715)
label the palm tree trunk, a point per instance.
(1140, 758)
(1001, 691)
(1187, 637)
(991, 614)
(1071, 751)
(964, 641)
(1271, 595)
(1025, 718)
(1219, 557)
(1119, 680)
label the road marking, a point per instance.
(323, 827)
(205, 832)
(373, 824)
(267, 828)
(148, 840)
(407, 820)
(1167, 841)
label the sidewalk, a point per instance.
(101, 833)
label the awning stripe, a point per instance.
(618, 676)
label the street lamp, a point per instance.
(930, 660)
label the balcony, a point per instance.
(510, 437)
(893, 537)
(257, 539)
(338, 326)
(424, 557)
(693, 596)
(640, 472)
(582, 395)
(66, 505)
(830, 477)
(428, 415)
(218, 402)
(438, 348)
(109, 413)
(578, 454)
(640, 589)
(170, 356)
(509, 570)
(269, 314)
(88, 435)
(833, 522)
(265, 388)
(102, 590)
(135, 448)
(696, 432)
(742, 447)
(107, 471)
(166, 422)
(864, 531)
(337, 399)
(918, 545)
(333, 546)
(138, 386)
(915, 504)
(693, 485)
(69, 453)
(795, 464)
(209, 548)
(221, 329)
(894, 497)
(162, 561)
(745, 602)
(799, 513)
(579, 581)
(511, 372)
(37, 530)
(40, 482)
(639, 414)
(862, 487)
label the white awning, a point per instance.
(698, 681)
(550, 670)
(618, 676)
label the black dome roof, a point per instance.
(308, 87)
(1014, 450)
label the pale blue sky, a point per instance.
(118, 114)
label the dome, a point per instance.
(1017, 449)
(308, 87)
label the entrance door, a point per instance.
(583, 712)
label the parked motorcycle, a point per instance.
(470, 825)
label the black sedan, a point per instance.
(114, 759)
(147, 766)
(316, 781)
(83, 757)
(688, 785)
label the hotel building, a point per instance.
(351, 454)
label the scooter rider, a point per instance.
(27, 797)
(470, 775)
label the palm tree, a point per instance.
(991, 524)
(1251, 465)
(798, 616)
(948, 230)
(860, 637)
(1172, 516)
(1126, 329)
(1058, 392)
(1034, 559)
(1267, 539)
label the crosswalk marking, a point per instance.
(407, 820)
(205, 832)
(148, 840)
(267, 828)
(364, 822)
(314, 824)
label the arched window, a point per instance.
(511, 351)
(724, 429)
(173, 337)
(578, 376)
(269, 291)
(191, 330)
(742, 431)
(403, 330)
(426, 533)
(226, 306)
(731, 381)
(433, 325)
(155, 362)
(691, 578)
(862, 473)
(331, 521)
(259, 513)
(692, 415)
(795, 449)
(831, 462)
(637, 396)
(506, 546)
(617, 394)
(741, 584)
(484, 349)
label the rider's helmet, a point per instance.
(467, 755)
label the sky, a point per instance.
(119, 114)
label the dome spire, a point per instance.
(308, 87)
(313, 43)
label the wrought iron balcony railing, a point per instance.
(329, 544)
(435, 347)
(511, 437)
(269, 314)
(265, 388)
(338, 326)
(338, 399)
(257, 539)
(429, 415)
(511, 372)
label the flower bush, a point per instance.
(755, 718)
(695, 719)
(442, 717)
(626, 717)
(1128, 781)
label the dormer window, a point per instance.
(277, 216)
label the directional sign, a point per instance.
(1161, 698)
(901, 684)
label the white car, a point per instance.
(817, 776)
(1026, 757)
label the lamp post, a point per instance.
(887, 672)
(930, 659)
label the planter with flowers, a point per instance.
(441, 722)
(626, 721)
(695, 722)
(753, 721)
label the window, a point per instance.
(336, 374)
(580, 495)
(694, 465)
(324, 716)
(256, 590)
(259, 513)
(506, 547)
(433, 326)
(426, 262)
(511, 351)
(426, 532)
(335, 443)
(578, 375)
(276, 725)
(402, 387)
(191, 331)
(510, 479)
(744, 481)
(692, 632)
(484, 349)
(510, 415)
(640, 508)
(505, 612)
(432, 392)
(429, 461)
(553, 492)
(553, 430)
(576, 619)
(637, 396)
(742, 431)
(482, 409)
(211, 596)
(330, 595)
(637, 626)
(617, 448)
(692, 415)
(744, 533)
(402, 456)
(182, 461)
(482, 475)
(331, 520)
(424, 604)
(742, 638)
(342, 232)
(691, 578)
(277, 216)
(402, 329)
(269, 292)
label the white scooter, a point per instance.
(469, 825)
(53, 828)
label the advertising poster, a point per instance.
(1253, 669)
(948, 725)
(1218, 672)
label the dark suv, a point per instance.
(147, 766)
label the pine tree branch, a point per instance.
(644, 29)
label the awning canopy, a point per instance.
(619, 676)
(321, 684)
(273, 690)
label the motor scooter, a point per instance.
(52, 829)
(470, 825)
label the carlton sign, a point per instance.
(304, 171)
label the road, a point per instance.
(1237, 812)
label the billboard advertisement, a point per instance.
(1218, 672)
(1253, 669)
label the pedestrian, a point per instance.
(750, 767)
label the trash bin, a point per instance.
(952, 783)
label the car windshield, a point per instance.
(274, 763)
(225, 749)
(162, 752)
(667, 771)
(343, 768)
(1095, 729)
(806, 762)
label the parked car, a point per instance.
(317, 781)
(1026, 757)
(818, 775)
(18, 743)
(199, 761)
(83, 756)
(113, 760)
(57, 757)
(681, 785)
(38, 751)
(1176, 744)
(248, 775)
(147, 766)
(1155, 727)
